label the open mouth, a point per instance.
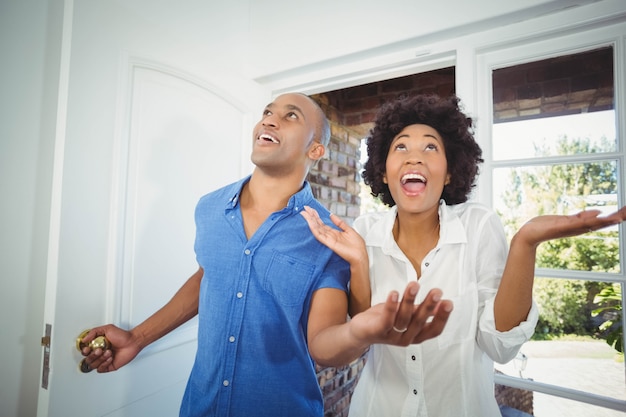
(413, 183)
(268, 138)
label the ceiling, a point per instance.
(271, 36)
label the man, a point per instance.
(271, 299)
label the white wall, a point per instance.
(282, 40)
(29, 56)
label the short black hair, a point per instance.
(322, 127)
(444, 115)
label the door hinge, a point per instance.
(45, 342)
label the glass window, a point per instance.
(571, 134)
(555, 150)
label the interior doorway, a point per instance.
(336, 181)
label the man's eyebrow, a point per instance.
(292, 107)
(296, 108)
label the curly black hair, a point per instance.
(463, 154)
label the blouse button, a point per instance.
(413, 357)
(226, 383)
(247, 251)
(239, 294)
(415, 392)
(231, 339)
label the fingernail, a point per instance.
(394, 297)
(436, 297)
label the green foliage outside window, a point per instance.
(609, 300)
(570, 306)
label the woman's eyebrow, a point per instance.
(427, 135)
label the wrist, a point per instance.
(523, 240)
(358, 341)
(360, 266)
(138, 338)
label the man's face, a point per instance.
(285, 134)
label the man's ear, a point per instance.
(317, 151)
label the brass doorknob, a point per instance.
(99, 342)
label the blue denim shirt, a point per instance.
(252, 357)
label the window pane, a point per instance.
(536, 104)
(521, 193)
(552, 136)
(570, 347)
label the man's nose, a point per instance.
(270, 120)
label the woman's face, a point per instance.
(417, 168)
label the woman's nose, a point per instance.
(414, 158)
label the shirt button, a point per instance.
(247, 251)
(426, 264)
(226, 383)
(239, 294)
(231, 339)
(415, 392)
(413, 357)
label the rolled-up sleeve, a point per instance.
(502, 347)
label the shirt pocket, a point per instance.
(288, 279)
(461, 325)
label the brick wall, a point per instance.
(335, 178)
(337, 386)
(568, 84)
(356, 107)
(335, 183)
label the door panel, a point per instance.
(144, 139)
(179, 146)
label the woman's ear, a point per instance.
(448, 178)
(385, 178)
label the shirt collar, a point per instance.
(295, 203)
(451, 229)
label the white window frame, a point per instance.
(535, 49)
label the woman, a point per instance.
(423, 162)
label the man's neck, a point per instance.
(269, 194)
(262, 196)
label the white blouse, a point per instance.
(452, 374)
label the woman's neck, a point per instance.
(416, 235)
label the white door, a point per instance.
(151, 124)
